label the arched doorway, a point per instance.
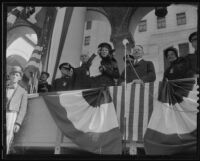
(20, 45)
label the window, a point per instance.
(143, 26)
(183, 49)
(87, 40)
(88, 25)
(181, 18)
(161, 22)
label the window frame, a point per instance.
(142, 26)
(161, 22)
(87, 40)
(88, 25)
(181, 18)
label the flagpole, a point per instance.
(125, 42)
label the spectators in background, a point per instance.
(43, 85)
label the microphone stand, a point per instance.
(133, 68)
(125, 53)
(124, 121)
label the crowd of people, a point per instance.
(107, 72)
(104, 72)
(100, 70)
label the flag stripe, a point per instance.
(122, 110)
(131, 111)
(115, 88)
(139, 103)
(136, 112)
(146, 107)
(119, 94)
(141, 113)
(151, 99)
(37, 54)
(34, 60)
(127, 109)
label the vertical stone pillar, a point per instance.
(72, 45)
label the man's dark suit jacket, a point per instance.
(63, 84)
(145, 70)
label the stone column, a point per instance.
(73, 43)
(72, 46)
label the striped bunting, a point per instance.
(172, 128)
(134, 108)
(34, 64)
(33, 69)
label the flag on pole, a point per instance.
(34, 68)
(88, 118)
(172, 128)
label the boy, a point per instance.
(16, 104)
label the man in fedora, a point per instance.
(66, 82)
(16, 104)
(43, 85)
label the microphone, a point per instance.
(125, 41)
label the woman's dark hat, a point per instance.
(107, 45)
(65, 65)
(171, 49)
(192, 35)
(47, 74)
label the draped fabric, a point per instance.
(172, 128)
(33, 69)
(88, 118)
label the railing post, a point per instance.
(58, 142)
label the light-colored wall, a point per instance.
(100, 31)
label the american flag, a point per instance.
(33, 69)
(134, 106)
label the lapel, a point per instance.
(16, 100)
(140, 62)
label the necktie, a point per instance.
(135, 62)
